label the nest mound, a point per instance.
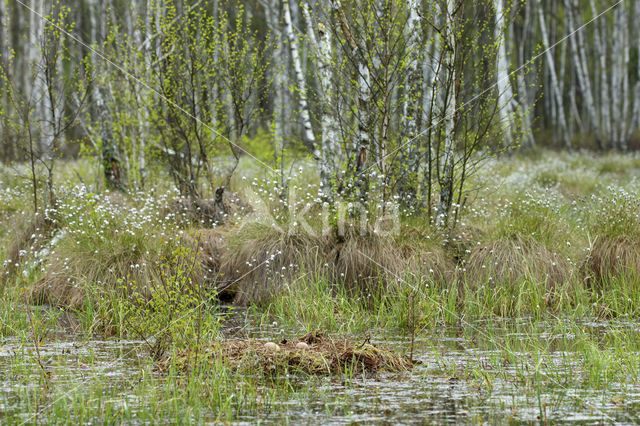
(319, 355)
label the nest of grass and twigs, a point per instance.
(506, 261)
(312, 354)
(611, 257)
(225, 206)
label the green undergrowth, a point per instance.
(210, 393)
(422, 307)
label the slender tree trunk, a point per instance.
(330, 148)
(141, 93)
(447, 174)
(525, 100)
(409, 155)
(636, 89)
(5, 44)
(506, 101)
(555, 86)
(601, 54)
(362, 144)
(101, 109)
(302, 86)
(582, 71)
(36, 86)
(273, 20)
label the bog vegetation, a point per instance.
(220, 210)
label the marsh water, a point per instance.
(464, 375)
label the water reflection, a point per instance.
(464, 376)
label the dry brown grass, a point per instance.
(612, 257)
(254, 262)
(125, 266)
(323, 356)
(508, 261)
(364, 262)
(57, 289)
(258, 259)
(68, 283)
(29, 237)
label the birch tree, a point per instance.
(582, 70)
(506, 101)
(300, 79)
(357, 179)
(555, 89)
(449, 116)
(412, 110)
(330, 154)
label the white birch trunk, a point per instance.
(555, 87)
(582, 70)
(330, 153)
(523, 86)
(601, 54)
(506, 101)
(141, 95)
(302, 86)
(273, 20)
(616, 80)
(361, 144)
(36, 86)
(4, 33)
(411, 112)
(446, 180)
(429, 78)
(636, 89)
(626, 124)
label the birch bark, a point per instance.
(329, 148)
(582, 70)
(411, 111)
(523, 87)
(4, 33)
(636, 89)
(142, 111)
(446, 177)
(601, 54)
(362, 144)
(506, 101)
(302, 86)
(273, 20)
(555, 87)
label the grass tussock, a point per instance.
(107, 244)
(513, 260)
(256, 261)
(31, 236)
(312, 354)
(612, 257)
